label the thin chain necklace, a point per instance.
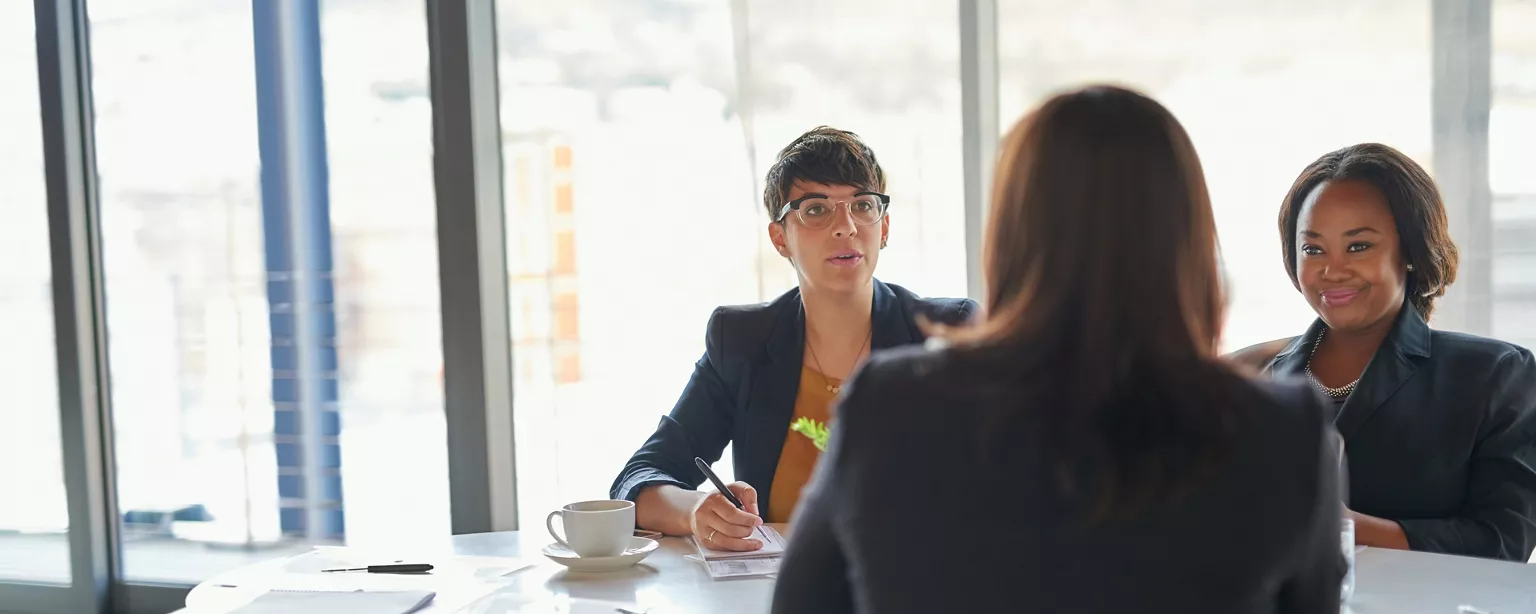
(824, 379)
(1340, 392)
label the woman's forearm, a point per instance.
(666, 508)
(1378, 532)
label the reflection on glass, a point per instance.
(34, 520)
(614, 111)
(1263, 88)
(1512, 129)
(205, 481)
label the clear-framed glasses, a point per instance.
(818, 211)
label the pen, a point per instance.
(406, 568)
(720, 486)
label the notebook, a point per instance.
(351, 602)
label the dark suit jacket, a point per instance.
(905, 512)
(1440, 436)
(743, 388)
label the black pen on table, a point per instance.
(720, 486)
(405, 568)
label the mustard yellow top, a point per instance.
(798, 457)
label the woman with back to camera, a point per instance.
(1439, 427)
(1082, 449)
(765, 366)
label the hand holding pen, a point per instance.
(726, 520)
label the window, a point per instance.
(614, 110)
(1263, 88)
(889, 72)
(384, 231)
(203, 271)
(34, 545)
(611, 111)
(1512, 130)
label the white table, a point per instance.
(1399, 582)
(665, 583)
(1387, 582)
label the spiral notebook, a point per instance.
(351, 602)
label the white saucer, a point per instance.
(639, 548)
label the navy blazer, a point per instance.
(1440, 436)
(743, 389)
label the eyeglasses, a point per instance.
(818, 211)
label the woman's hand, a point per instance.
(720, 526)
(1378, 532)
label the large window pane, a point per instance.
(618, 114)
(1512, 130)
(1263, 88)
(34, 521)
(383, 218)
(210, 472)
(889, 71)
(613, 111)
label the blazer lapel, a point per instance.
(1392, 365)
(1292, 361)
(770, 401)
(890, 326)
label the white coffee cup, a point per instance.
(594, 528)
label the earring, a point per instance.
(882, 243)
(1410, 268)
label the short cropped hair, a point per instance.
(823, 155)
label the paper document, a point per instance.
(511, 603)
(352, 602)
(725, 564)
(773, 545)
(743, 567)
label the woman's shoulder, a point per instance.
(1290, 396)
(940, 310)
(910, 363)
(740, 330)
(1258, 356)
(909, 380)
(1456, 345)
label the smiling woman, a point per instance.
(1365, 240)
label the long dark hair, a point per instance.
(1104, 301)
(1422, 230)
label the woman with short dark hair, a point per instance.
(1439, 427)
(767, 366)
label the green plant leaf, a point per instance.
(816, 431)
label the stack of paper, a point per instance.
(722, 564)
(327, 602)
(514, 603)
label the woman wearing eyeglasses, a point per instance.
(764, 366)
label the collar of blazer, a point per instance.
(891, 325)
(1395, 362)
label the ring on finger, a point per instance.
(711, 537)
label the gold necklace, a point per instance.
(824, 379)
